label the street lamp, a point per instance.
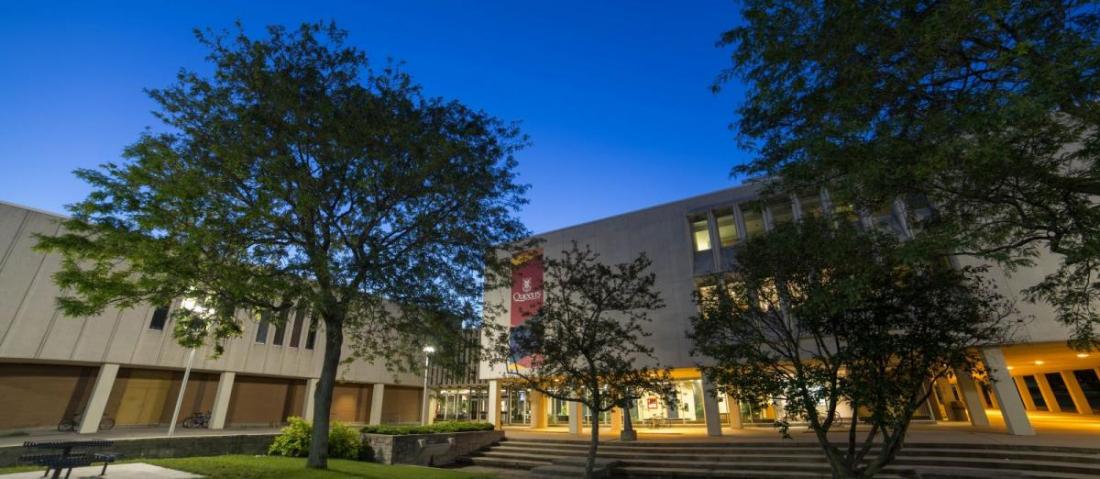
(194, 307)
(428, 350)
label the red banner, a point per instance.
(526, 285)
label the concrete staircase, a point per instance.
(796, 460)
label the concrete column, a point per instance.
(972, 398)
(221, 400)
(733, 405)
(1048, 394)
(710, 409)
(492, 410)
(616, 420)
(929, 403)
(1025, 394)
(307, 407)
(576, 413)
(376, 394)
(538, 409)
(433, 406)
(1012, 407)
(1078, 394)
(97, 402)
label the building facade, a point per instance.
(126, 366)
(695, 237)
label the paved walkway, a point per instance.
(122, 432)
(115, 471)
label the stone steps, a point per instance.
(785, 459)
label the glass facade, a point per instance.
(461, 404)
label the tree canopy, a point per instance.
(586, 343)
(986, 109)
(296, 175)
(822, 315)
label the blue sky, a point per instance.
(614, 95)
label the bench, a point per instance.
(66, 458)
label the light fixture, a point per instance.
(1082, 355)
(1009, 368)
(1038, 362)
(429, 349)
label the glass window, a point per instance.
(781, 212)
(160, 318)
(883, 218)
(727, 230)
(1090, 385)
(754, 221)
(311, 337)
(847, 213)
(1035, 392)
(261, 329)
(296, 331)
(1061, 392)
(700, 233)
(810, 205)
(280, 328)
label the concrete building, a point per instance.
(125, 365)
(694, 237)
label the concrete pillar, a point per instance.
(493, 408)
(710, 408)
(538, 409)
(307, 407)
(1025, 394)
(221, 400)
(433, 406)
(616, 420)
(972, 398)
(97, 402)
(576, 414)
(1078, 394)
(1012, 407)
(1048, 394)
(376, 395)
(734, 407)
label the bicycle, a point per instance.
(197, 420)
(71, 423)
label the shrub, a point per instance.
(445, 426)
(294, 439)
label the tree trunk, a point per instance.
(322, 398)
(590, 465)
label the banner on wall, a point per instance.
(527, 294)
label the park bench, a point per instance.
(67, 459)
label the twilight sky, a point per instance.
(614, 95)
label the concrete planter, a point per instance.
(436, 449)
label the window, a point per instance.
(160, 318)
(296, 330)
(311, 336)
(727, 230)
(810, 205)
(1035, 392)
(700, 233)
(754, 221)
(280, 328)
(1090, 386)
(261, 329)
(781, 212)
(883, 219)
(1061, 392)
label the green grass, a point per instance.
(248, 467)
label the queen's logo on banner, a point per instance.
(527, 297)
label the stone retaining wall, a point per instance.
(437, 449)
(183, 446)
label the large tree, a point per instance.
(586, 343)
(292, 175)
(987, 108)
(823, 316)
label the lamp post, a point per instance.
(428, 350)
(191, 305)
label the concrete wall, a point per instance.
(428, 449)
(663, 233)
(179, 446)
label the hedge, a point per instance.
(445, 426)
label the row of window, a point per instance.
(752, 219)
(160, 319)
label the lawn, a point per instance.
(248, 467)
